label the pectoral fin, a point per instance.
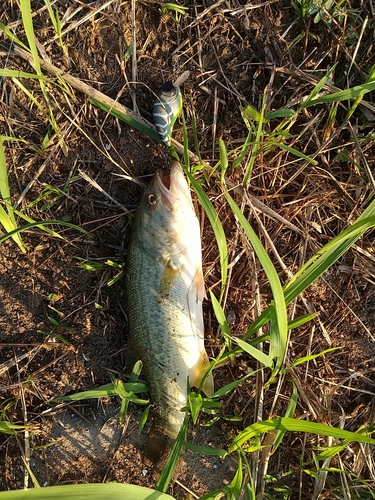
(198, 286)
(197, 372)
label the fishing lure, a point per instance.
(166, 109)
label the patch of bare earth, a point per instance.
(63, 329)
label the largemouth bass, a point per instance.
(165, 290)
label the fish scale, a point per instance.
(164, 283)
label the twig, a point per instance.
(9, 364)
(91, 14)
(267, 237)
(360, 151)
(253, 202)
(52, 155)
(26, 434)
(214, 123)
(134, 58)
(92, 93)
(101, 190)
(191, 493)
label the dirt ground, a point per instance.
(63, 329)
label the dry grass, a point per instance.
(236, 52)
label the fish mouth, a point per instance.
(165, 179)
(173, 186)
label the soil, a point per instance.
(63, 328)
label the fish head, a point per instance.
(166, 207)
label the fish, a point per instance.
(165, 290)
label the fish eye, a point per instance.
(152, 200)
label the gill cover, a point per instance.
(166, 109)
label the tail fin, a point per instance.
(157, 450)
(160, 444)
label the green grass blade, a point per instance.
(333, 450)
(319, 263)
(170, 465)
(60, 338)
(40, 226)
(27, 20)
(250, 493)
(256, 145)
(223, 159)
(278, 341)
(331, 120)
(250, 113)
(195, 403)
(222, 320)
(265, 317)
(130, 120)
(279, 332)
(326, 257)
(41, 223)
(7, 219)
(280, 113)
(137, 368)
(243, 150)
(342, 95)
(220, 315)
(301, 320)
(235, 485)
(215, 495)
(294, 152)
(143, 419)
(186, 143)
(30, 95)
(255, 353)
(94, 491)
(304, 359)
(12, 37)
(206, 450)
(52, 16)
(230, 492)
(55, 20)
(127, 396)
(291, 408)
(217, 228)
(104, 391)
(286, 424)
(13, 73)
(369, 79)
(318, 87)
(11, 138)
(8, 428)
(4, 183)
(258, 323)
(26, 12)
(173, 7)
(226, 389)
